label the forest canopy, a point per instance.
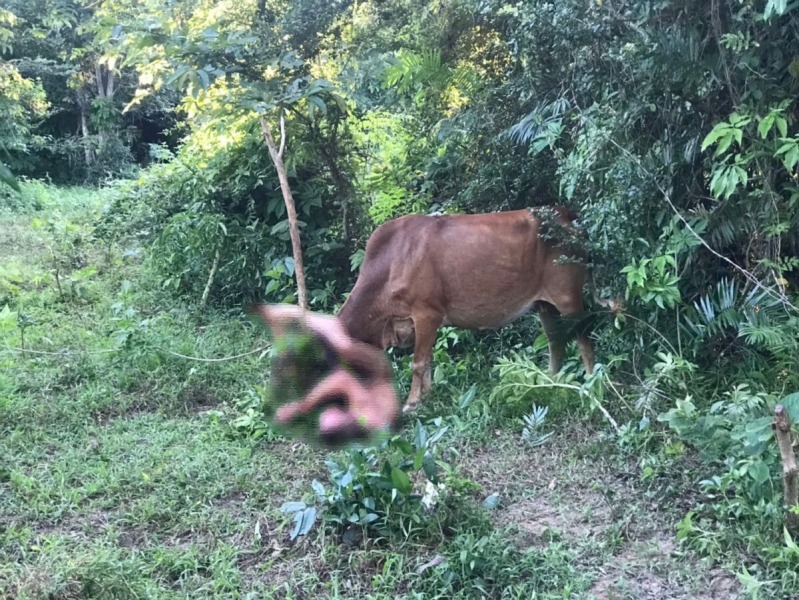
(658, 122)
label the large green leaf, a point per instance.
(400, 480)
(791, 404)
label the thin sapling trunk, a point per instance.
(294, 229)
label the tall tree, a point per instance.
(222, 57)
(22, 103)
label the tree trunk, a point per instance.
(790, 483)
(210, 282)
(84, 128)
(106, 88)
(344, 189)
(294, 230)
(345, 194)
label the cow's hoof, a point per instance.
(409, 409)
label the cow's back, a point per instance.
(494, 267)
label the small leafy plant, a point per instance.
(533, 424)
(372, 489)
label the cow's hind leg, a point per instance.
(586, 351)
(425, 324)
(555, 338)
(562, 329)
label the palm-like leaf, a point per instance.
(536, 121)
(754, 316)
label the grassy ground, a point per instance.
(123, 476)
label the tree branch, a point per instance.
(282, 135)
(210, 281)
(343, 186)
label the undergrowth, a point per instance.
(137, 464)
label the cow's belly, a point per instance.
(488, 314)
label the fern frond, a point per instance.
(715, 312)
(771, 337)
(412, 69)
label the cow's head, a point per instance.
(380, 330)
(359, 324)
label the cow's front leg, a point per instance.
(559, 331)
(425, 326)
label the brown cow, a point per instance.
(471, 271)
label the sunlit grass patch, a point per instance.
(38, 196)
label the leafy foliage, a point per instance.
(23, 103)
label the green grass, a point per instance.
(121, 475)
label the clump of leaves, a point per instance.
(372, 490)
(250, 420)
(741, 463)
(736, 431)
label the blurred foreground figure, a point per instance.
(330, 387)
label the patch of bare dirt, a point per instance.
(566, 490)
(538, 519)
(641, 570)
(134, 538)
(195, 398)
(648, 571)
(723, 585)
